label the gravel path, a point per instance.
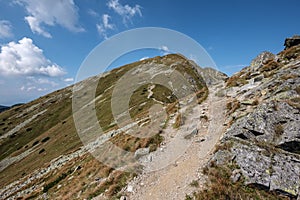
(173, 181)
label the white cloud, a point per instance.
(105, 20)
(164, 48)
(24, 58)
(104, 26)
(68, 79)
(92, 13)
(125, 11)
(144, 58)
(51, 13)
(5, 29)
(40, 81)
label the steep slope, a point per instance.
(261, 145)
(42, 155)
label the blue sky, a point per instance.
(44, 42)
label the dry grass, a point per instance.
(269, 66)
(290, 53)
(179, 121)
(294, 102)
(232, 106)
(297, 89)
(221, 187)
(236, 80)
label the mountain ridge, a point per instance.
(42, 155)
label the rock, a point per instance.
(123, 198)
(200, 140)
(293, 41)
(258, 78)
(236, 175)
(211, 76)
(192, 134)
(254, 164)
(97, 179)
(247, 102)
(283, 173)
(260, 60)
(130, 188)
(275, 122)
(141, 152)
(222, 157)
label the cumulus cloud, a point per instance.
(51, 13)
(125, 11)
(104, 26)
(24, 58)
(5, 29)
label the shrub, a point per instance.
(194, 183)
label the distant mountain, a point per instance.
(3, 108)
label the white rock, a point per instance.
(129, 188)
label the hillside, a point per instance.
(41, 153)
(197, 134)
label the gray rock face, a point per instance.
(264, 130)
(274, 122)
(211, 76)
(275, 171)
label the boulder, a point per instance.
(141, 152)
(293, 41)
(260, 60)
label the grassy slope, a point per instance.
(57, 124)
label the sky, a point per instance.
(44, 42)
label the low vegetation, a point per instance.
(220, 186)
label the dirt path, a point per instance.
(173, 181)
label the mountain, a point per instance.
(161, 128)
(40, 149)
(3, 108)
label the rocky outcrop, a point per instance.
(293, 41)
(211, 75)
(276, 123)
(263, 134)
(261, 59)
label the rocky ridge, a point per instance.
(263, 135)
